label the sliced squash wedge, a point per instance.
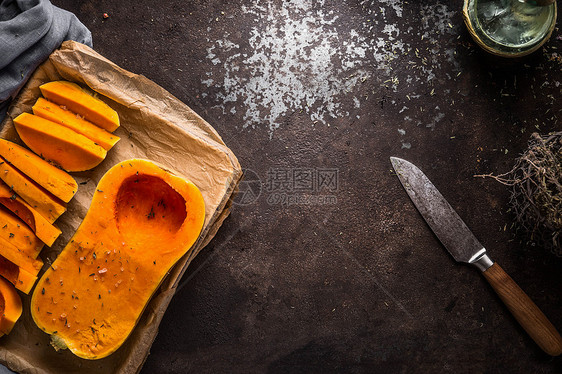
(51, 111)
(56, 181)
(10, 306)
(22, 279)
(48, 205)
(73, 97)
(13, 230)
(45, 231)
(54, 142)
(24, 261)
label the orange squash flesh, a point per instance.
(56, 181)
(51, 111)
(21, 259)
(79, 101)
(19, 277)
(54, 142)
(48, 205)
(141, 221)
(45, 231)
(10, 306)
(19, 234)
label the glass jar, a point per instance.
(510, 28)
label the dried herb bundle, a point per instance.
(536, 198)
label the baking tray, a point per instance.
(155, 126)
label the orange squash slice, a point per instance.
(75, 99)
(14, 231)
(54, 142)
(24, 261)
(141, 221)
(10, 306)
(48, 205)
(22, 279)
(56, 181)
(45, 231)
(51, 111)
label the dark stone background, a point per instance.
(359, 286)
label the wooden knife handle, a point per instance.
(524, 310)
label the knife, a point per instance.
(464, 247)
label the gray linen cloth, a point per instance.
(29, 31)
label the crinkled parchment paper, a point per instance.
(155, 126)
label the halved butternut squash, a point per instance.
(46, 232)
(19, 277)
(10, 306)
(141, 221)
(73, 97)
(54, 142)
(19, 234)
(51, 111)
(48, 205)
(56, 181)
(24, 261)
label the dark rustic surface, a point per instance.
(349, 278)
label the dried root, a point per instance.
(536, 197)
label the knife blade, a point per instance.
(440, 216)
(461, 243)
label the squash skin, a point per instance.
(56, 181)
(141, 221)
(45, 231)
(73, 97)
(51, 111)
(12, 306)
(19, 277)
(48, 205)
(72, 151)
